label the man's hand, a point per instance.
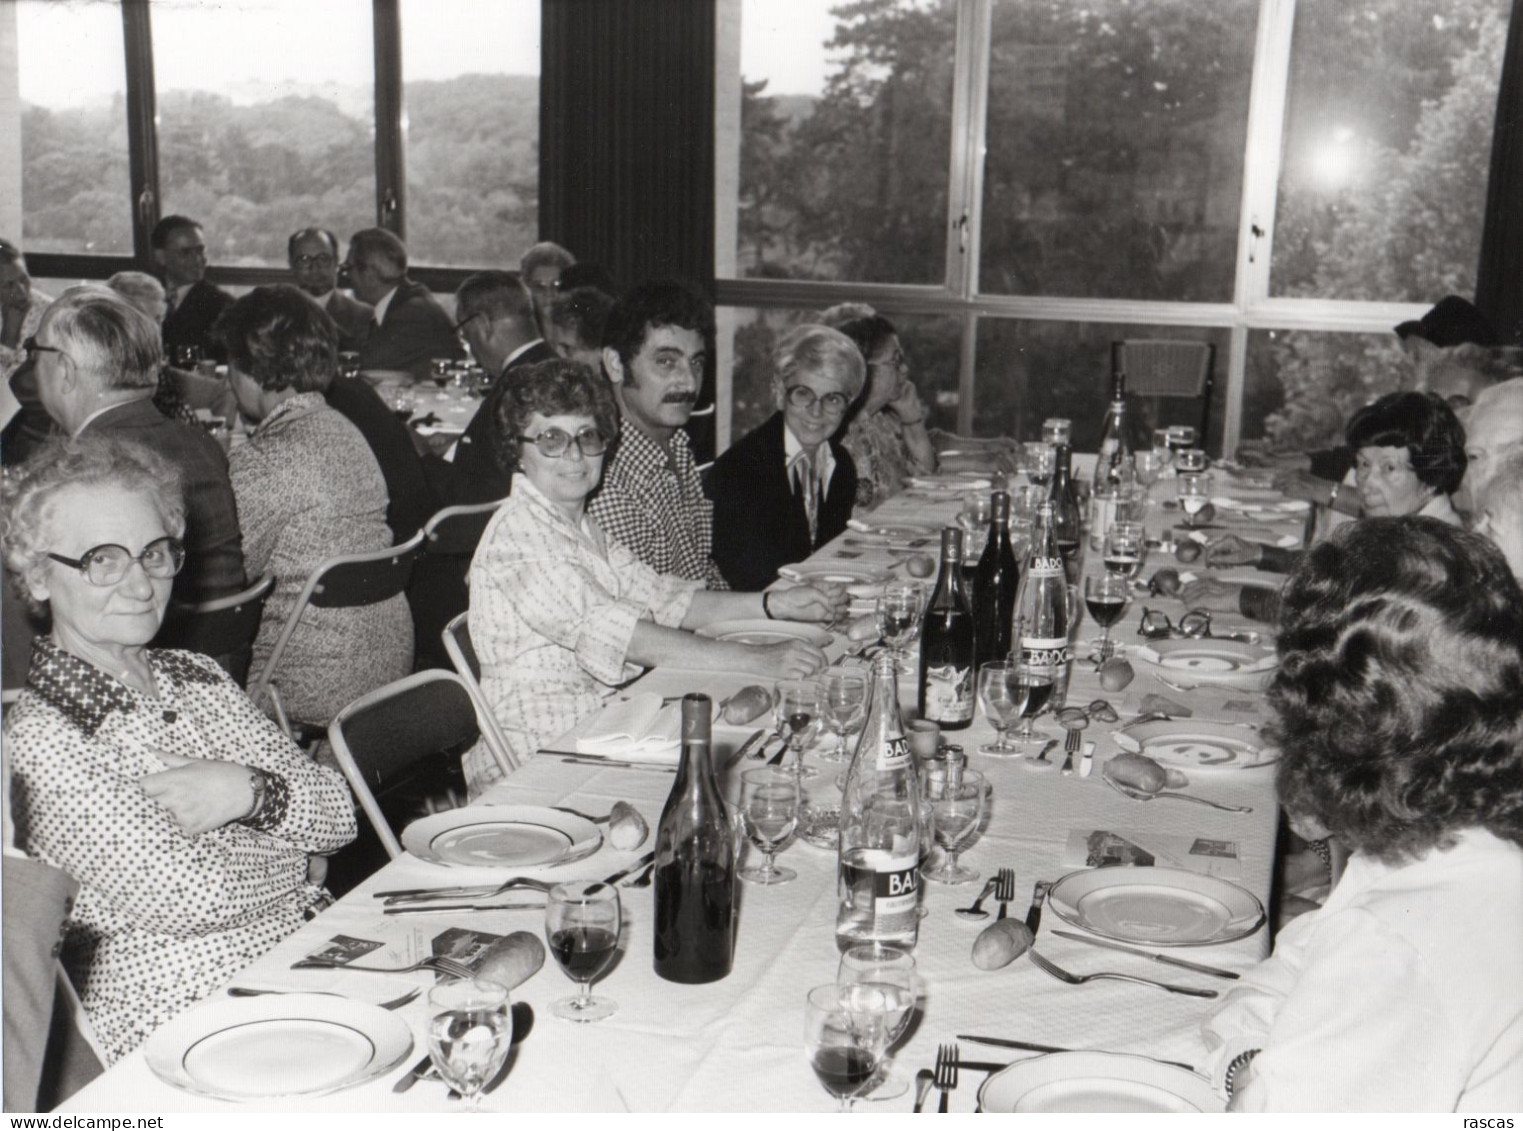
(1211, 594)
(790, 659)
(1230, 550)
(824, 602)
(200, 793)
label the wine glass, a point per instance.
(1125, 548)
(845, 1031)
(1035, 683)
(898, 611)
(844, 699)
(1181, 437)
(439, 374)
(1190, 461)
(769, 812)
(1106, 597)
(1194, 493)
(1040, 461)
(186, 356)
(348, 363)
(403, 402)
(582, 927)
(891, 971)
(799, 715)
(1001, 695)
(957, 803)
(1162, 448)
(470, 1030)
(974, 518)
(1057, 430)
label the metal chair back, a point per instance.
(1170, 369)
(222, 627)
(457, 530)
(462, 655)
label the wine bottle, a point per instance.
(1114, 461)
(946, 643)
(1067, 524)
(695, 864)
(994, 586)
(1040, 624)
(878, 870)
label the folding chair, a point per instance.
(438, 590)
(457, 530)
(346, 581)
(223, 628)
(462, 655)
(1168, 369)
(391, 738)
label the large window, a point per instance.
(76, 194)
(472, 130)
(266, 113)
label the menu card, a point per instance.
(1104, 848)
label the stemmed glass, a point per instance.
(957, 803)
(1034, 689)
(1162, 449)
(1125, 547)
(844, 699)
(898, 610)
(1190, 461)
(769, 812)
(1194, 493)
(974, 518)
(1106, 597)
(1149, 465)
(439, 374)
(890, 971)
(845, 1031)
(582, 927)
(799, 718)
(1040, 461)
(470, 1030)
(1003, 698)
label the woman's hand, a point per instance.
(907, 404)
(789, 659)
(200, 793)
(825, 602)
(1209, 593)
(1230, 550)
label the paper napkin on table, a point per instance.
(637, 729)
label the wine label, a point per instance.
(949, 694)
(1044, 567)
(894, 754)
(1045, 652)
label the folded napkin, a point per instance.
(634, 729)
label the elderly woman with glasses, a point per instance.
(1399, 716)
(184, 814)
(785, 489)
(561, 615)
(886, 435)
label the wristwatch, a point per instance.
(257, 785)
(1239, 1061)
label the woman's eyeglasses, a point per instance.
(108, 564)
(1157, 626)
(802, 396)
(554, 443)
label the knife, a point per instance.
(745, 747)
(416, 1073)
(1198, 967)
(1038, 897)
(981, 1065)
(623, 873)
(610, 764)
(419, 908)
(1030, 1046)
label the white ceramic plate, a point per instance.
(1207, 661)
(1096, 1082)
(839, 573)
(262, 1048)
(766, 632)
(957, 481)
(1156, 906)
(1257, 506)
(1196, 745)
(500, 836)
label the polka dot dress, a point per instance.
(162, 918)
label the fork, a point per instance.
(1004, 890)
(643, 880)
(439, 962)
(483, 891)
(1079, 979)
(1070, 748)
(977, 910)
(394, 1003)
(945, 1077)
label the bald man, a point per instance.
(1493, 429)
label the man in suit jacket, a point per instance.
(787, 488)
(410, 498)
(313, 256)
(194, 304)
(409, 327)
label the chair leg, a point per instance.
(280, 712)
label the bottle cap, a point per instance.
(951, 544)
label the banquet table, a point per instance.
(738, 1044)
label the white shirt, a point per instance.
(382, 306)
(825, 459)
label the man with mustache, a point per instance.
(655, 346)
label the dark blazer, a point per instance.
(213, 541)
(759, 523)
(410, 499)
(351, 316)
(189, 323)
(415, 329)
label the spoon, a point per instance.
(977, 911)
(923, 1080)
(1143, 795)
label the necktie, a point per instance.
(806, 483)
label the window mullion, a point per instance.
(142, 128)
(390, 139)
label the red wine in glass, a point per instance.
(1105, 611)
(583, 952)
(843, 1069)
(1034, 691)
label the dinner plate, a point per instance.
(1257, 507)
(262, 1048)
(500, 836)
(956, 481)
(839, 573)
(1156, 906)
(1209, 660)
(1196, 745)
(1096, 1082)
(766, 632)
(909, 530)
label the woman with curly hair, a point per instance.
(1399, 705)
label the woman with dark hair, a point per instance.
(308, 487)
(561, 615)
(1399, 715)
(886, 435)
